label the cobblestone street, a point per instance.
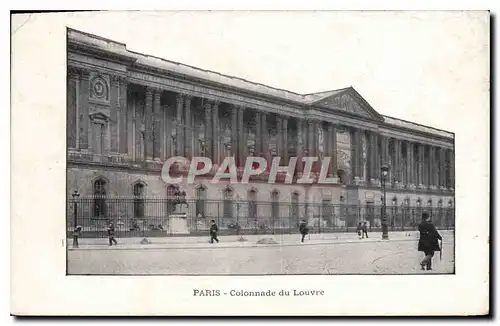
(358, 257)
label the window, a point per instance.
(139, 200)
(201, 196)
(99, 195)
(327, 210)
(228, 203)
(275, 205)
(252, 204)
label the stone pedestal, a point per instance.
(177, 223)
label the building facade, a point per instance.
(128, 112)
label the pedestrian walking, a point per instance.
(213, 232)
(359, 229)
(428, 242)
(303, 229)
(76, 234)
(111, 234)
(365, 230)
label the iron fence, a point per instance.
(135, 217)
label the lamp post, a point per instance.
(384, 169)
(75, 195)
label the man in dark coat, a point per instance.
(303, 229)
(365, 230)
(111, 234)
(428, 242)
(213, 232)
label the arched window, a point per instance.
(228, 203)
(99, 194)
(201, 196)
(139, 190)
(275, 205)
(252, 204)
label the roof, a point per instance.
(120, 50)
(415, 126)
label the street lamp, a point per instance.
(384, 169)
(75, 195)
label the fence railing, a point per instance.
(149, 216)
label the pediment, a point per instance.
(349, 101)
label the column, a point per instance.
(179, 127)
(72, 109)
(397, 161)
(167, 128)
(113, 114)
(376, 157)
(157, 125)
(415, 162)
(421, 160)
(216, 146)
(355, 154)
(83, 110)
(430, 167)
(242, 140)
(300, 144)
(385, 150)
(408, 180)
(208, 129)
(311, 150)
(332, 144)
(451, 160)
(234, 132)
(265, 136)
(148, 114)
(424, 168)
(279, 138)
(442, 168)
(258, 134)
(124, 116)
(188, 128)
(284, 141)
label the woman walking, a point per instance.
(428, 242)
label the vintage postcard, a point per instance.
(270, 163)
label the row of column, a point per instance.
(422, 166)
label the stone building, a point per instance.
(127, 112)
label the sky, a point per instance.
(417, 66)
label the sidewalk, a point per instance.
(232, 241)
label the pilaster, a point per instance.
(148, 130)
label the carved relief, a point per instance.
(345, 102)
(99, 87)
(321, 141)
(344, 159)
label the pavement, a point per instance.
(245, 241)
(344, 256)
